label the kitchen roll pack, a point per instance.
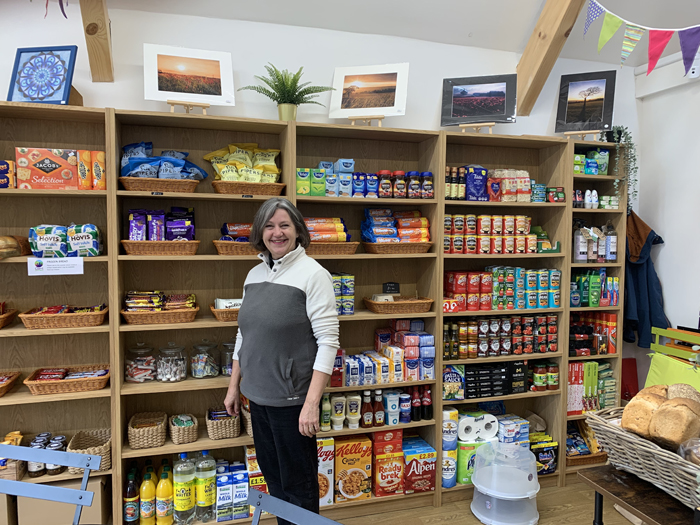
(477, 425)
(466, 457)
(450, 420)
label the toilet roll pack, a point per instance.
(450, 420)
(476, 425)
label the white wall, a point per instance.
(253, 44)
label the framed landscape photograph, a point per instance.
(187, 75)
(586, 102)
(369, 91)
(470, 100)
(43, 74)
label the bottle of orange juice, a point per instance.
(164, 501)
(148, 501)
(167, 469)
(163, 463)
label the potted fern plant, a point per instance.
(284, 88)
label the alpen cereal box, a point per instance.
(353, 468)
(326, 468)
(420, 468)
(47, 169)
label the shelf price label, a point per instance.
(67, 266)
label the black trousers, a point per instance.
(287, 459)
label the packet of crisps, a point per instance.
(270, 173)
(218, 153)
(241, 153)
(250, 174)
(265, 157)
(227, 172)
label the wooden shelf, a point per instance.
(188, 385)
(20, 395)
(379, 387)
(346, 131)
(53, 193)
(598, 210)
(18, 330)
(593, 357)
(23, 259)
(574, 469)
(594, 309)
(65, 476)
(500, 204)
(518, 256)
(503, 141)
(491, 313)
(597, 265)
(503, 358)
(196, 196)
(594, 178)
(347, 432)
(234, 258)
(200, 322)
(366, 315)
(199, 121)
(459, 487)
(526, 395)
(301, 199)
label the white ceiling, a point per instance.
(493, 24)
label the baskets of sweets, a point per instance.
(147, 430)
(184, 429)
(63, 380)
(163, 248)
(6, 317)
(231, 247)
(64, 316)
(7, 381)
(221, 425)
(397, 247)
(155, 307)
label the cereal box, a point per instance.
(326, 464)
(388, 473)
(453, 382)
(387, 435)
(47, 169)
(353, 467)
(420, 467)
(255, 478)
(8, 175)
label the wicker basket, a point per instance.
(186, 315)
(160, 247)
(247, 421)
(39, 388)
(4, 389)
(7, 318)
(332, 248)
(148, 437)
(225, 315)
(96, 442)
(401, 305)
(159, 185)
(588, 459)
(397, 247)
(225, 428)
(234, 248)
(33, 321)
(184, 435)
(646, 460)
(247, 188)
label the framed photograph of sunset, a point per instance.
(369, 91)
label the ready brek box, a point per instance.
(46, 169)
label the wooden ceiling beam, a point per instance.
(98, 38)
(546, 42)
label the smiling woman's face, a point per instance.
(280, 235)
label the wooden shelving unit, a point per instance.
(208, 275)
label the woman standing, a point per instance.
(285, 349)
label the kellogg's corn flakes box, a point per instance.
(353, 467)
(47, 169)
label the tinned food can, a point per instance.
(447, 244)
(531, 243)
(509, 244)
(483, 225)
(458, 224)
(509, 225)
(470, 224)
(448, 224)
(521, 227)
(497, 224)
(520, 244)
(483, 244)
(458, 243)
(470, 244)
(496, 244)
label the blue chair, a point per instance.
(282, 509)
(81, 498)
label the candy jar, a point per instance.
(171, 364)
(140, 364)
(204, 361)
(228, 349)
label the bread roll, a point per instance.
(676, 421)
(683, 390)
(659, 390)
(638, 413)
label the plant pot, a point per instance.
(610, 136)
(287, 111)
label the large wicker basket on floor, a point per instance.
(247, 188)
(161, 247)
(148, 437)
(96, 442)
(225, 428)
(234, 248)
(34, 321)
(332, 248)
(159, 185)
(185, 315)
(7, 318)
(184, 435)
(643, 458)
(397, 247)
(7, 386)
(65, 386)
(401, 305)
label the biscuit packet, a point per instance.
(265, 157)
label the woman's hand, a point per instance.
(308, 419)
(233, 400)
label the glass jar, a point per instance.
(399, 184)
(386, 188)
(427, 188)
(140, 364)
(171, 364)
(51, 468)
(413, 185)
(552, 376)
(36, 469)
(539, 377)
(205, 360)
(228, 349)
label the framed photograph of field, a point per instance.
(188, 75)
(478, 99)
(369, 91)
(586, 101)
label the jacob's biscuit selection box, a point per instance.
(353, 468)
(47, 169)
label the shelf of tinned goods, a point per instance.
(491, 313)
(20, 395)
(502, 358)
(593, 357)
(365, 202)
(405, 384)
(524, 395)
(517, 256)
(503, 204)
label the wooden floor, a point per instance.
(571, 505)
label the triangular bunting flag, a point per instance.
(611, 24)
(594, 11)
(690, 41)
(632, 35)
(657, 43)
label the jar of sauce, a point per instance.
(36, 469)
(552, 376)
(539, 377)
(53, 469)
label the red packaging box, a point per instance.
(46, 169)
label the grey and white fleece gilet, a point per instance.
(288, 327)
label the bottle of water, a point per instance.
(205, 481)
(184, 491)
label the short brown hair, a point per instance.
(265, 213)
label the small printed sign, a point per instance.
(66, 266)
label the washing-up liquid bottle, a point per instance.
(580, 244)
